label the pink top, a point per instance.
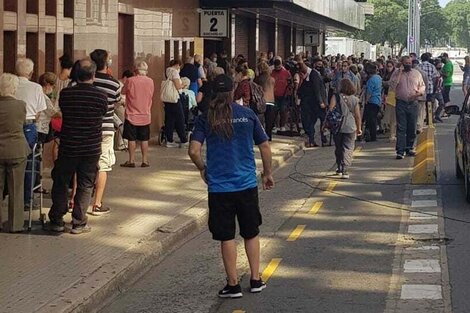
(139, 93)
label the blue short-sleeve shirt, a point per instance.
(374, 89)
(231, 162)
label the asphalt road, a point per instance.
(454, 204)
(340, 263)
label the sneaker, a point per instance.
(257, 285)
(338, 172)
(231, 292)
(345, 175)
(172, 145)
(411, 153)
(80, 229)
(400, 157)
(184, 145)
(283, 129)
(100, 210)
(57, 228)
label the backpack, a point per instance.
(334, 118)
(257, 102)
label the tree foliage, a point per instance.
(434, 25)
(458, 16)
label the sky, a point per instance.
(443, 2)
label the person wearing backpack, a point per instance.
(350, 126)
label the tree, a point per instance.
(458, 15)
(434, 28)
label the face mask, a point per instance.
(319, 68)
(407, 67)
(109, 63)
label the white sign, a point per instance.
(311, 38)
(214, 23)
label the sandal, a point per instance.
(128, 164)
(145, 164)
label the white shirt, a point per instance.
(31, 93)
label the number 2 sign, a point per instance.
(214, 23)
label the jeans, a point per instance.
(407, 115)
(310, 116)
(370, 116)
(31, 134)
(64, 169)
(270, 119)
(344, 149)
(174, 118)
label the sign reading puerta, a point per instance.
(214, 23)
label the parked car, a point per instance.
(462, 143)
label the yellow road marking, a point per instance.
(296, 233)
(358, 150)
(270, 269)
(331, 186)
(315, 208)
(239, 311)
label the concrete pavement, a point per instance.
(153, 211)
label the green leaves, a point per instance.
(457, 13)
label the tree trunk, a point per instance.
(401, 51)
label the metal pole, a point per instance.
(414, 12)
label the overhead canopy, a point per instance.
(344, 15)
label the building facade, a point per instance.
(160, 30)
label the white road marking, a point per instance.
(425, 248)
(422, 266)
(420, 292)
(423, 229)
(423, 203)
(423, 216)
(424, 192)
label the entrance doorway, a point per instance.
(212, 46)
(125, 43)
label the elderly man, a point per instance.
(139, 94)
(13, 149)
(31, 93)
(83, 107)
(409, 86)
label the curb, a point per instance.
(98, 289)
(424, 170)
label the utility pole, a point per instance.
(414, 25)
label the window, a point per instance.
(51, 58)
(32, 51)
(51, 7)
(69, 8)
(9, 51)
(32, 7)
(10, 5)
(68, 45)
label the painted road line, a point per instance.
(422, 266)
(421, 292)
(270, 269)
(331, 186)
(423, 203)
(424, 192)
(423, 248)
(423, 215)
(423, 229)
(239, 311)
(296, 233)
(315, 208)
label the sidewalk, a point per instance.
(153, 211)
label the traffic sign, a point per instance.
(214, 23)
(311, 38)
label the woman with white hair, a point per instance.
(13, 149)
(139, 94)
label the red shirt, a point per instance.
(281, 83)
(139, 94)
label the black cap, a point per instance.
(223, 83)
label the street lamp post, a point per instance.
(414, 23)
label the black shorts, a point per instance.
(446, 94)
(225, 206)
(133, 133)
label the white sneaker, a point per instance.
(184, 145)
(283, 129)
(171, 145)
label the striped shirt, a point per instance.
(83, 107)
(112, 89)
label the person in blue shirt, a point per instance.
(373, 100)
(229, 131)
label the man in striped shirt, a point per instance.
(111, 87)
(83, 107)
